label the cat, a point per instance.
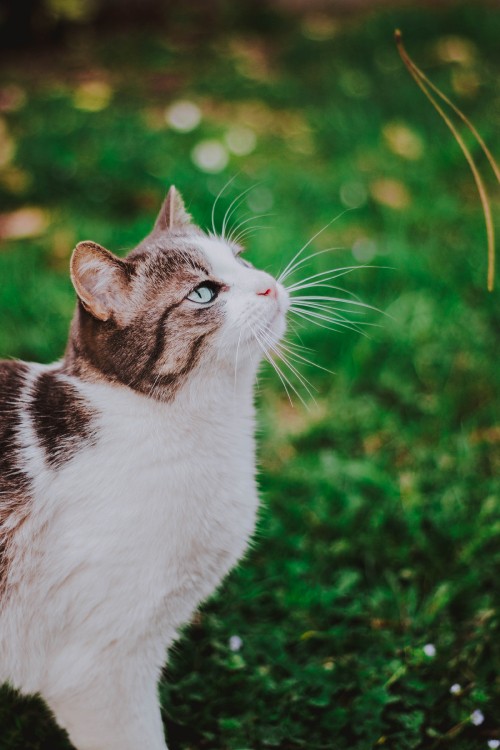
(127, 474)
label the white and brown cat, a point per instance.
(127, 474)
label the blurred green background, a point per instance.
(366, 614)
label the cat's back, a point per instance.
(13, 481)
(13, 375)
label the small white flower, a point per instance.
(430, 650)
(235, 643)
(477, 717)
(493, 744)
(456, 689)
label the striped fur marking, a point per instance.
(61, 419)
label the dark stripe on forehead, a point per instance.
(200, 267)
(169, 257)
(61, 418)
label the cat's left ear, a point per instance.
(173, 214)
(101, 281)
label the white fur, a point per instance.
(125, 540)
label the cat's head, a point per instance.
(180, 302)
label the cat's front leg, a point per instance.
(113, 711)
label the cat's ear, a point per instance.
(173, 214)
(101, 281)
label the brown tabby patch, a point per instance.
(61, 419)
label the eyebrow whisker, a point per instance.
(284, 273)
(221, 191)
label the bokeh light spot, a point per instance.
(353, 194)
(210, 156)
(241, 141)
(260, 200)
(319, 27)
(456, 49)
(364, 250)
(12, 98)
(390, 192)
(7, 145)
(183, 116)
(25, 222)
(92, 96)
(403, 141)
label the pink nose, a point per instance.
(269, 289)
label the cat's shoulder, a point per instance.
(43, 401)
(12, 379)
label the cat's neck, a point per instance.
(210, 381)
(213, 389)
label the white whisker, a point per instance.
(315, 317)
(278, 371)
(284, 273)
(324, 307)
(246, 233)
(325, 298)
(236, 358)
(332, 273)
(334, 318)
(254, 217)
(232, 208)
(300, 358)
(279, 353)
(224, 187)
(306, 259)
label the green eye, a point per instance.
(202, 294)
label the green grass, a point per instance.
(380, 527)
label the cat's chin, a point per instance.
(265, 338)
(277, 326)
(249, 344)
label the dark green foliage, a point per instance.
(380, 531)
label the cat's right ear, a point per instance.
(101, 281)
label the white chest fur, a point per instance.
(134, 531)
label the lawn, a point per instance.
(367, 612)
